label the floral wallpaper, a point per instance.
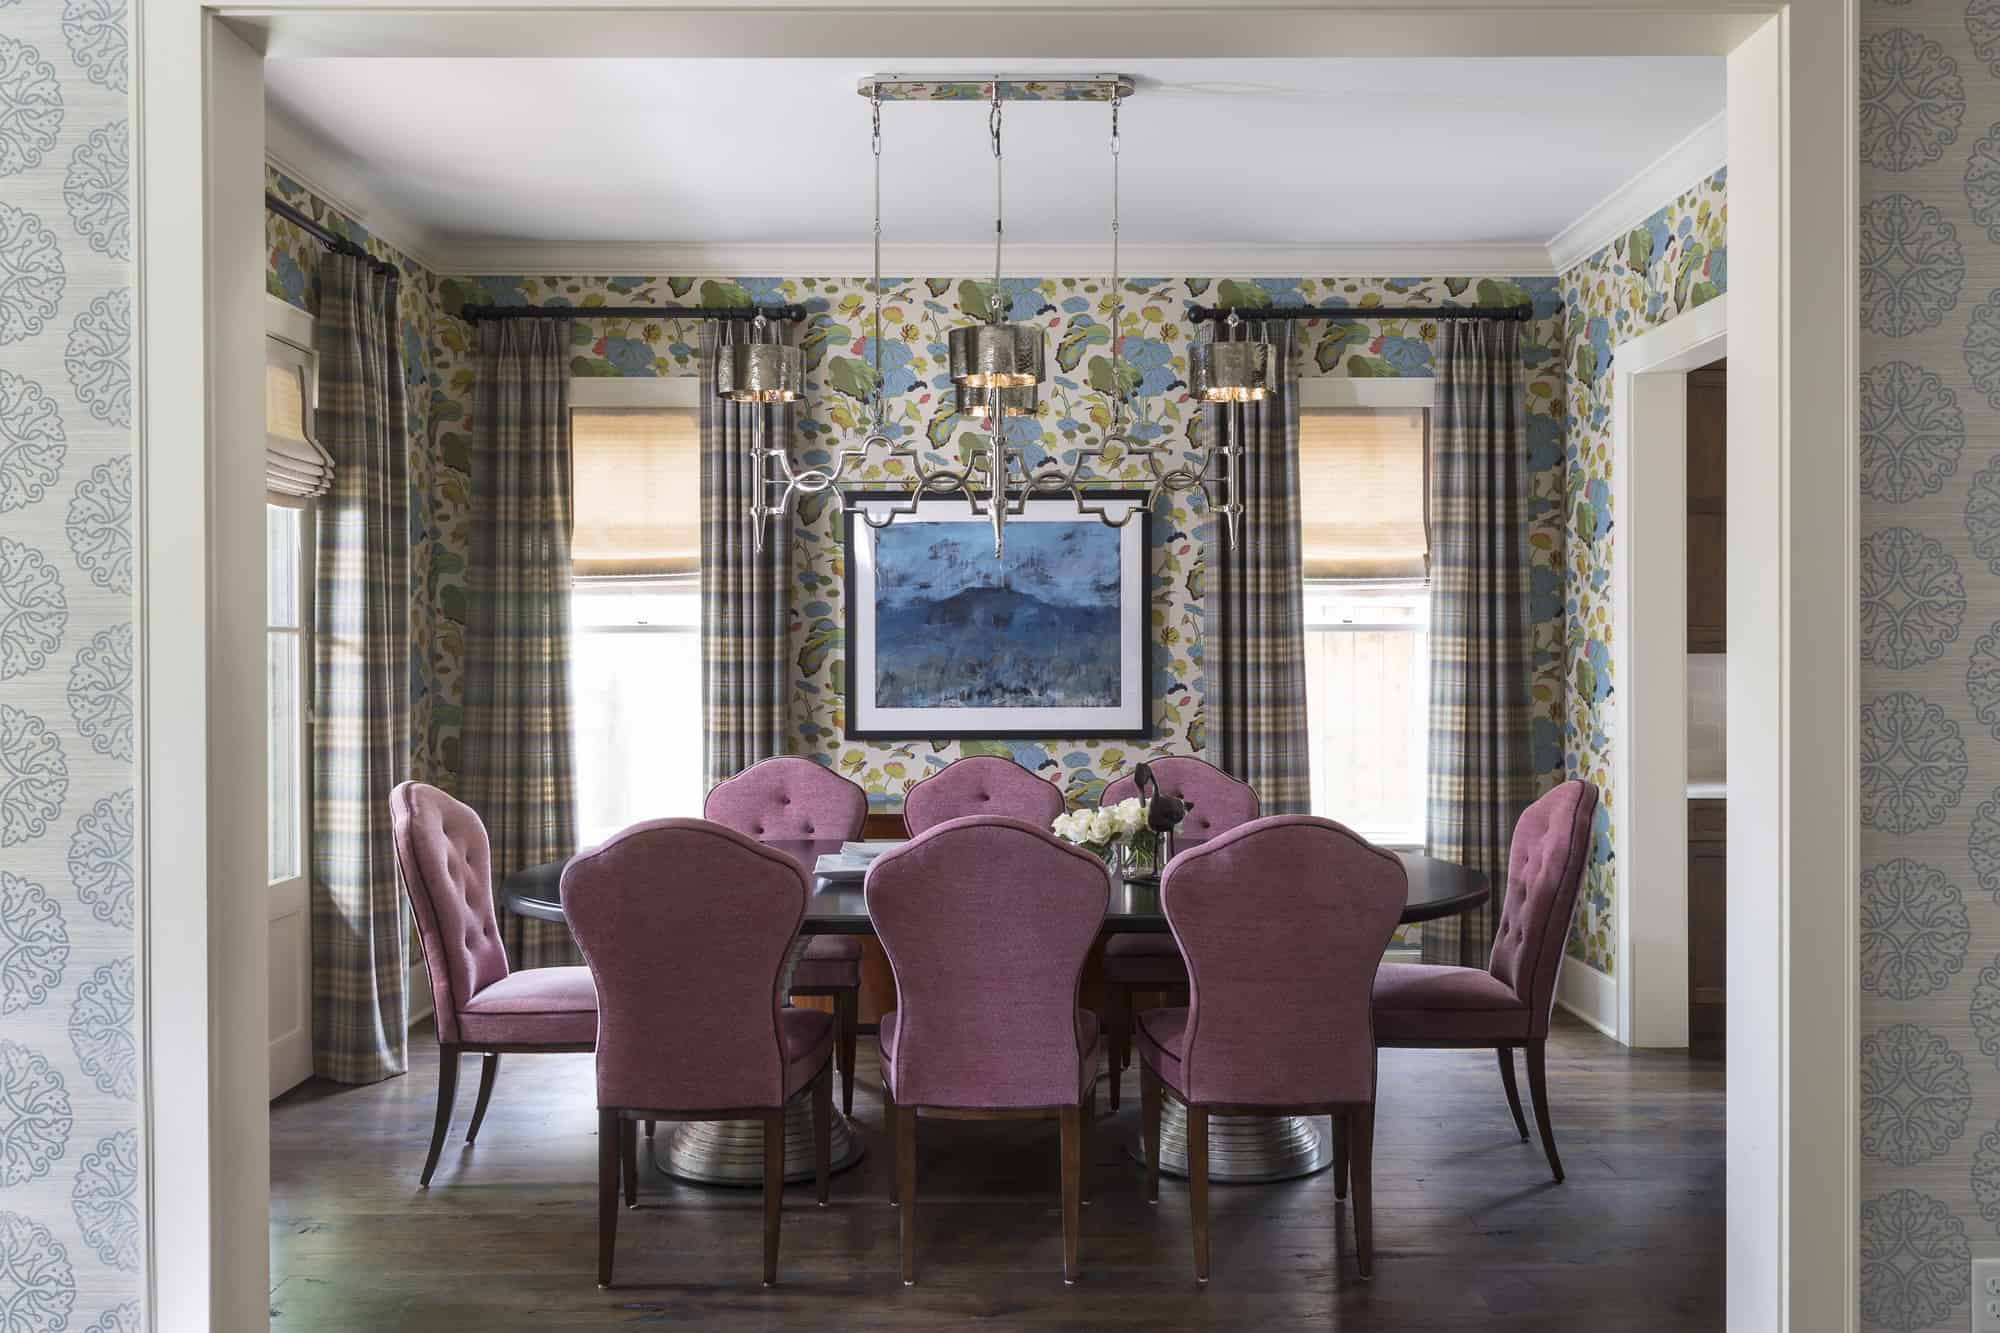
(917, 312)
(71, 1237)
(1929, 907)
(1672, 262)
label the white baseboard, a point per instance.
(1590, 995)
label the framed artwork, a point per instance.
(945, 641)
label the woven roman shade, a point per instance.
(294, 464)
(637, 491)
(1363, 493)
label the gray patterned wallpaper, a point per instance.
(1930, 657)
(69, 1217)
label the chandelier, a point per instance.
(997, 367)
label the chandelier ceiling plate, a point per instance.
(960, 87)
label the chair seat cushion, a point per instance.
(1432, 1003)
(1162, 1036)
(807, 1038)
(831, 962)
(1086, 1040)
(552, 1006)
(1144, 960)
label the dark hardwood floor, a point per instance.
(1469, 1231)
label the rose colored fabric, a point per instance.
(987, 923)
(1161, 1035)
(1282, 922)
(980, 784)
(1545, 865)
(1217, 802)
(685, 925)
(831, 961)
(788, 798)
(555, 1006)
(447, 872)
(1086, 1040)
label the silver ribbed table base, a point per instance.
(1242, 1149)
(731, 1152)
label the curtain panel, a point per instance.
(745, 593)
(517, 764)
(1258, 636)
(361, 679)
(1481, 771)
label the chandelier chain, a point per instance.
(993, 303)
(1118, 401)
(875, 146)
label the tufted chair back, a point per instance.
(685, 925)
(447, 872)
(1545, 865)
(788, 799)
(1282, 922)
(980, 784)
(1218, 802)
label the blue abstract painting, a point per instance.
(1040, 627)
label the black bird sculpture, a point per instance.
(1163, 813)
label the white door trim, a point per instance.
(1649, 667)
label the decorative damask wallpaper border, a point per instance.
(70, 1225)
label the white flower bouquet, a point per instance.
(1107, 830)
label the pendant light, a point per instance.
(760, 369)
(1232, 370)
(998, 366)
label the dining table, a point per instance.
(1242, 1149)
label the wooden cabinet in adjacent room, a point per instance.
(1707, 518)
(1708, 928)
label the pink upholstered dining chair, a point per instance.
(1282, 922)
(987, 923)
(481, 1005)
(1507, 1003)
(980, 784)
(685, 926)
(790, 799)
(1135, 963)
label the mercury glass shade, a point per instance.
(1002, 356)
(1013, 401)
(750, 372)
(1230, 372)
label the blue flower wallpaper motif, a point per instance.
(1912, 598)
(1915, 1258)
(1912, 432)
(1915, 1094)
(1914, 930)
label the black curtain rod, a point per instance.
(475, 313)
(332, 240)
(1354, 313)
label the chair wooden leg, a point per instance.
(447, 1094)
(1506, 1054)
(1197, 1158)
(1149, 1127)
(906, 1187)
(609, 1137)
(846, 1011)
(1089, 1118)
(1072, 1188)
(489, 1069)
(1118, 1028)
(774, 1189)
(628, 1157)
(889, 1128)
(823, 1133)
(1538, 1089)
(1361, 1160)
(1340, 1150)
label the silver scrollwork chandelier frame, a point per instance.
(997, 367)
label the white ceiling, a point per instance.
(745, 155)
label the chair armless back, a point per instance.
(447, 871)
(685, 925)
(788, 799)
(1545, 864)
(987, 923)
(980, 784)
(1282, 923)
(1218, 802)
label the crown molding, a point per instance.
(1053, 261)
(303, 156)
(1691, 160)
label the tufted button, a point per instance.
(809, 829)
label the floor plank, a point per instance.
(1470, 1232)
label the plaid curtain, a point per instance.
(745, 593)
(517, 767)
(1259, 644)
(361, 680)
(1481, 772)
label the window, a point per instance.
(1364, 542)
(285, 644)
(635, 608)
